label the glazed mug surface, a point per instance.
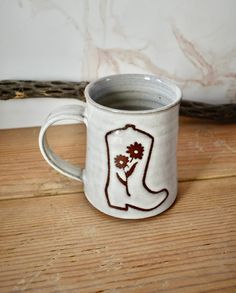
(132, 127)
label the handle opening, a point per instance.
(70, 112)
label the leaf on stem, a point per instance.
(120, 179)
(131, 170)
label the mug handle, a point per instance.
(68, 112)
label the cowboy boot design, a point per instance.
(129, 152)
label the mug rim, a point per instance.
(167, 82)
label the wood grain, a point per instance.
(205, 150)
(52, 240)
(62, 244)
(24, 173)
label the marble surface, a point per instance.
(191, 42)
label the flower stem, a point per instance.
(126, 185)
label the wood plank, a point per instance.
(61, 244)
(206, 150)
(23, 171)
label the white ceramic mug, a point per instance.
(132, 127)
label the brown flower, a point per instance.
(121, 161)
(135, 150)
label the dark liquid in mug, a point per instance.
(132, 100)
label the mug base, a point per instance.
(133, 214)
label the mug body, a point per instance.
(131, 167)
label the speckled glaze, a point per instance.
(130, 167)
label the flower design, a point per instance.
(121, 161)
(135, 150)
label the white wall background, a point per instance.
(192, 42)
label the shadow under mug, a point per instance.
(132, 127)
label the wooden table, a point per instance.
(52, 240)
